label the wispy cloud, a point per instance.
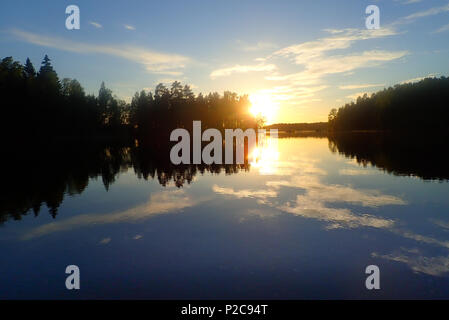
(241, 69)
(129, 27)
(431, 75)
(408, 1)
(316, 61)
(422, 14)
(354, 96)
(341, 39)
(442, 29)
(95, 24)
(361, 86)
(259, 46)
(154, 62)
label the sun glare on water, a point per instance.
(262, 105)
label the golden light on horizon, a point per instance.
(263, 105)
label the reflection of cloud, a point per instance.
(137, 237)
(353, 172)
(310, 208)
(245, 193)
(259, 213)
(440, 223)
(312, 204)
(154, 62)
(105, 241)
(423, 239)
(162, 202)
(434, 266)
(321, 192)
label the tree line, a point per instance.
(421, 105)
(39, 104)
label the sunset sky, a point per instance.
(299, 58)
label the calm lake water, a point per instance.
(303, 222)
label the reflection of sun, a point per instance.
(265, 156)
(262, 105)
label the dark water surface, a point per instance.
(302, 222)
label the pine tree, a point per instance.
(29, 70)
(48, 77)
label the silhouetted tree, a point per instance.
(404, 107)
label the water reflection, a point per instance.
(167, 201)
(305, 204)
(417, 154)
(44, 175)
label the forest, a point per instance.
(38, 105)
(404, 107)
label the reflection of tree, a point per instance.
(411, 155)
(43, 175)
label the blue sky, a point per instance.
(299, 58)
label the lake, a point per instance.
(303, 222)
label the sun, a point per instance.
(262, 105)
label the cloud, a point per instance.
(360, 86)
(442, 29)
(431, 75)
(345, 63)
(342, 39)
(259, 46)
(241, 69)
(408, 1)
(167, 201)
(95, 24)
(422, 14)
(316, 62)
(154, 62)
(128, 27)
(354, 96)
